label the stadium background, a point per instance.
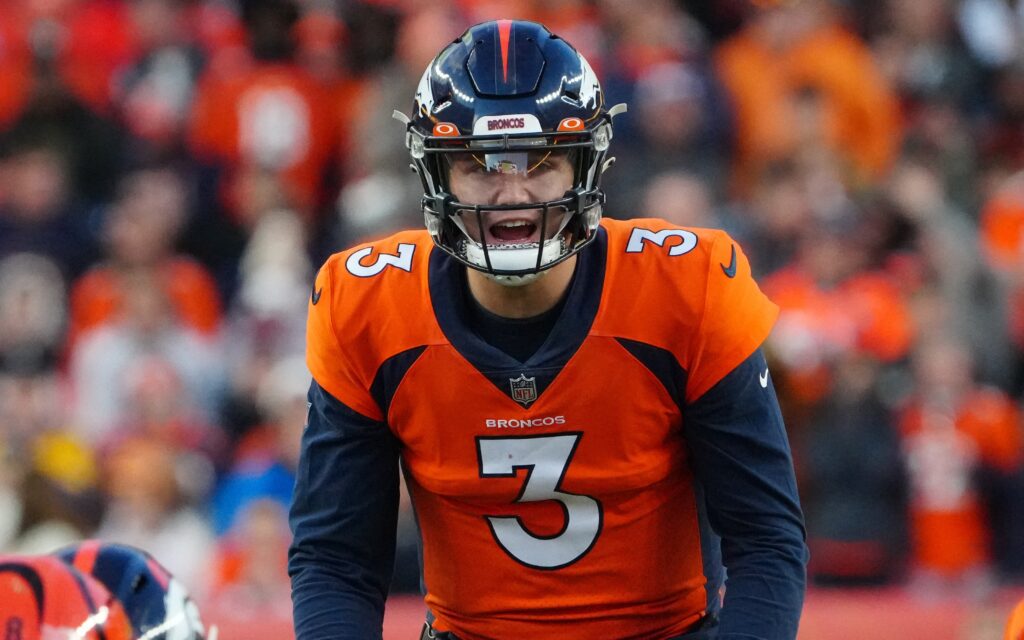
(172, 172)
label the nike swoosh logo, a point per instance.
(314, 296)
(763, 379)
(730, 271)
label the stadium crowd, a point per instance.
(172, 173)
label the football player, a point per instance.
(581, 407)
(158, 606)
(42, 598)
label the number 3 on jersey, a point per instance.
(546, 460)
(402, 261)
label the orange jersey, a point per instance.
(949, 529)
(271, 117)
(555, 497)
(97, 297)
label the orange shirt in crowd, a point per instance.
(865, 313)
(93, 41)
(949, 531)
(96, 297)
(860, 112)
(267, 117)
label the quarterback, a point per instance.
(580, 407)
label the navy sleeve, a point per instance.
(742, 462)
(343, 518)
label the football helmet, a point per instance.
(42, 598)
(504, 97)
(157, 605)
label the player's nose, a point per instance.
(512, 189)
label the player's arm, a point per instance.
(343, 519)
(741, 458)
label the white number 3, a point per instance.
(402, 261)
(546, 459)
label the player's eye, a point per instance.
(539, 162)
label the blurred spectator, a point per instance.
(88, 142)
(251, 564)
(266, 123)
(921, 54)
(680, 198)
(682, 123)
(787, 50)
(833, 303)
(267, 322)
(377, 197)
(157, 407)
(1002, 241)
(49, 476)
(856, 530)
(140, 231)
(33, 313)
(60, 500)
(38, 212)
(104, 360)
(154, 94)
(266, 458)
(320, 35)
(83, 42)
(952, 289)
(643, 40)
(961, 442)
(146, 509)
(779, 209)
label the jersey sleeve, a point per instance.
(741, 458)
(343, 516)
(330, 344)
(736, 319)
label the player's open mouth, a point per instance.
(514, 231)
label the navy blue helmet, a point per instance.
(509, 93)
(158, 605)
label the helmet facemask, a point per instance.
(485, 236)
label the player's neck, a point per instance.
(526, 301)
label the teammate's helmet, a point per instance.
(42, 598)
(508, 93)
(158, 606)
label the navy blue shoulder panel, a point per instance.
(389, 375)
(662, 363)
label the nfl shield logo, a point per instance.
(524, 390)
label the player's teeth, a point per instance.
(517, 223)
